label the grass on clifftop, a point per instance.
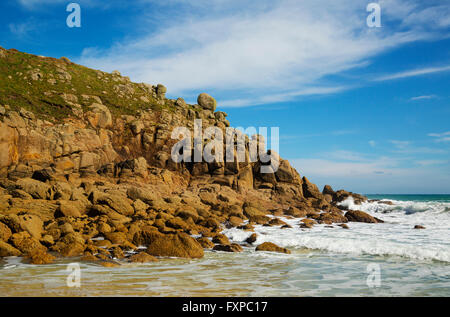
(38, 84)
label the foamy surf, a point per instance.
(396, 237)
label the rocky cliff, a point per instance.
(85, 170)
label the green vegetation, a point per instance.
(41, 85)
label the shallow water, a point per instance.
(324, 262)
(303, 273)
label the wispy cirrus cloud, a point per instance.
(424, 97)
(414, 72)
(258, 52)
(440, 137)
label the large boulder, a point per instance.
(331, 217)
(207, 102)
(178, 245)
(360, 216)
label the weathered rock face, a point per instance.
(77, 165)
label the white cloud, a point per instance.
(441, 137)
(264, 53)
(415, 72)
(425, 97)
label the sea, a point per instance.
(387, 259)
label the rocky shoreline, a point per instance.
(85, 170)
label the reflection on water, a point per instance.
(303, 273)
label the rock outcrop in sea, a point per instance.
(85, 170)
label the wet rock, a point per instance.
(235, 221)
(247, 227)
(205, 243)
(234, 247)
(142, 257)
(419, 227)
(344, 226)
(295, 212)
(359, 216)
(175, 245)
(252, 238)
(331, 217)
(121, 239)
(255, 215)
(8, 250)
(307, 223)
(276, 222)
(41, 257)
(47, 240)
(177, 223)
(109, 264)
(221, 239)
(26, 243)
(271, 247)
(5, 232)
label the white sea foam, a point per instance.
(396, 237)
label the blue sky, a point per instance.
(365, 109)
